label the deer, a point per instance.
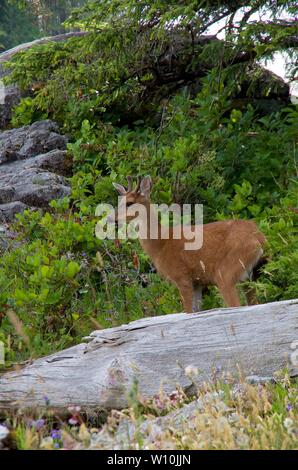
(231, 252)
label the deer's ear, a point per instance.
(121, 190)
(145, 186)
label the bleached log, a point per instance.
(255, 340)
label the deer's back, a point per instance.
(226, 244)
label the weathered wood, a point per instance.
(254, 340)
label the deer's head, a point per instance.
(140, 195)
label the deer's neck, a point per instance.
(151, 234)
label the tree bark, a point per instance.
(253, 340)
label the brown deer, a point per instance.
(231, 251)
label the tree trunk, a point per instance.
(254, 340)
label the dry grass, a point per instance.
(222, 416)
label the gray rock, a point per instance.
(153, 428)
(7, 55)
(150, 429)
(28, 183)
(8, 211)
(29, 141)
(7, 238)
(10, 96)
(56, 161)
(7, 194)
(259, 380)
(33, 166)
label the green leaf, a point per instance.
(73, 269)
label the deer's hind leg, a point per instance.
(241, 270)
(227, 288)
(229, 294)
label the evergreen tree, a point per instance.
(52, 13)
(17, 24)
(25, 20)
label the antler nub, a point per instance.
(138, 184)
(129, 187)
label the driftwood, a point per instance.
(254, 340)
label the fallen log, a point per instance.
(253, 340)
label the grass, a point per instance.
(224, 415)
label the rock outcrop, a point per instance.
(7, 55)
(33, 166)
(155, 429)
(10, 95)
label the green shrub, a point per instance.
(62, 281)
